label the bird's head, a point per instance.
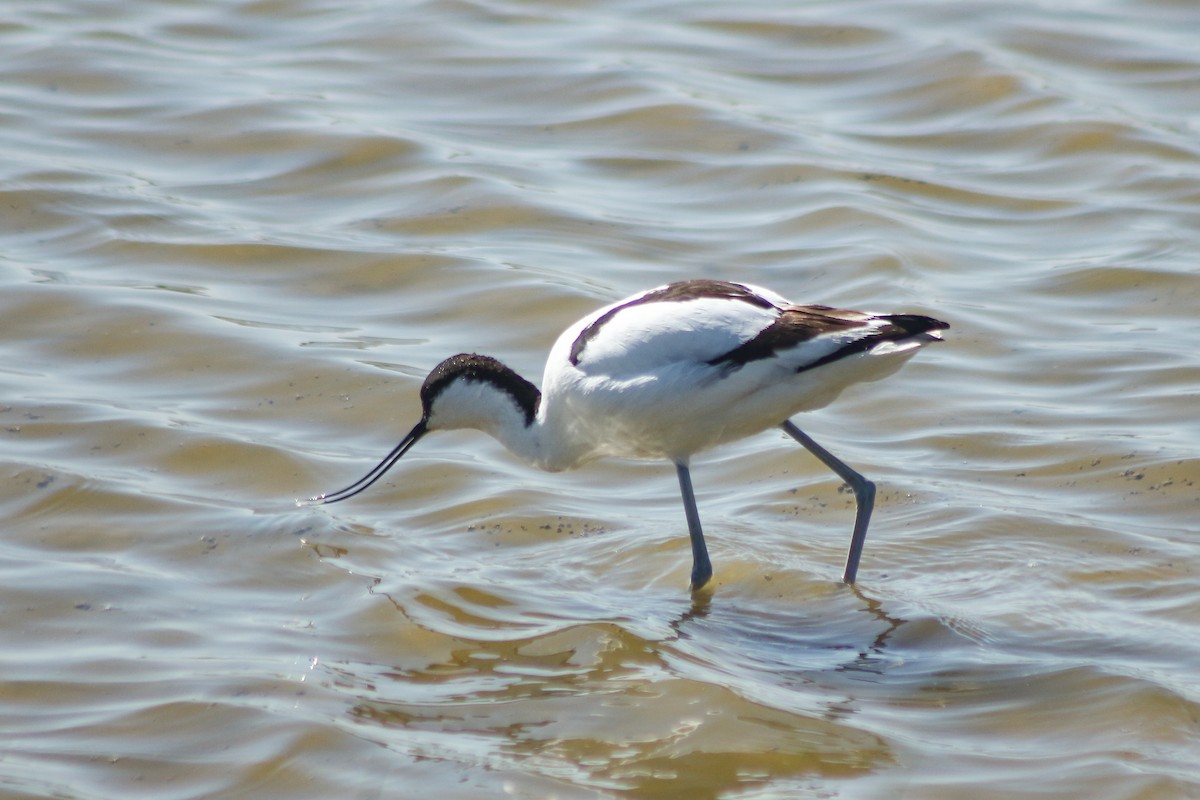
(464, 391)
(474, 391)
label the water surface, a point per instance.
(235, 236)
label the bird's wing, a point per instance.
(710, 323)
(638, 337)
(806, 337)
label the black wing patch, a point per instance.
(800, 323)
(793, 326)
(900, 326)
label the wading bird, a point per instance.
(666, 374)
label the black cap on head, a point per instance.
(482, 369)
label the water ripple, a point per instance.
(236, 237)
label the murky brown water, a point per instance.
(234, 237)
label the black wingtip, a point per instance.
(916, 324)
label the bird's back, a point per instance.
(690, 365)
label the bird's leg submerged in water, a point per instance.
(701, 566)
(864, 495)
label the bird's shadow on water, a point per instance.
(702, 605)
(604, 685)
(792, 647)
(823, 643)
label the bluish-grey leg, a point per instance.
(701, 566)
(864, 496)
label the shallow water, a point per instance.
(236, 235)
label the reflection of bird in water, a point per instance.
(870, 657)
(837, 652)
(666, 374)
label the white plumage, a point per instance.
(668, 373)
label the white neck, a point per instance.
(484, 406)
(540, 444)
